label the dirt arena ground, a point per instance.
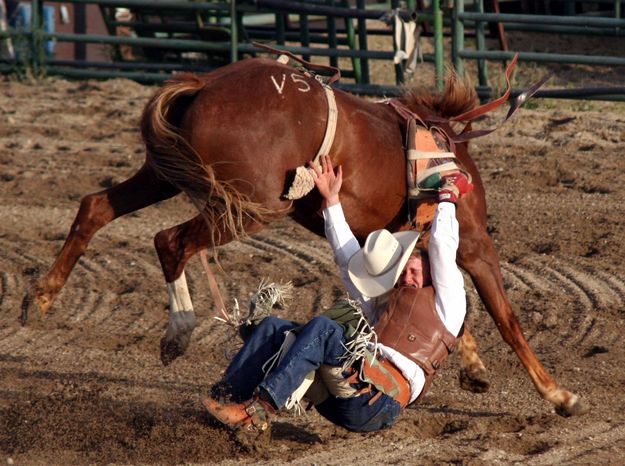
(84, 384)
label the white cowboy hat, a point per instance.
(375, 268)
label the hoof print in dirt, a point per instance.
(27, 304)
(474, 380)
(253, 441)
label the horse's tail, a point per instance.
(172, 157)
(459, 96)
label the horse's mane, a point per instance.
(458, 97)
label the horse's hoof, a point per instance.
(473, 379)
(43, 301)
(577, 408)
(178, 336)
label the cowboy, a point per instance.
(394, 289)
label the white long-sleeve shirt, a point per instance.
(450, 298)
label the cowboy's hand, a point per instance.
(328, 183)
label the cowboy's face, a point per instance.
(415, 274)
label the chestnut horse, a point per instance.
(232, 139)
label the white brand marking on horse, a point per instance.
(280, 87)
(300, 80)
(179, 298)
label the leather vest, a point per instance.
(412, 326)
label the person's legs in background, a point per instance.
(21, 20)
(6, 46)
(49, 27)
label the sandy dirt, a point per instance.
(84, 384)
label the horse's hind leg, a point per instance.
(96, 210)
(478, 257)
(175, 246)
(472, 371)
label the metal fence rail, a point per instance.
(349, 41)
(579, 25)
(323, 29)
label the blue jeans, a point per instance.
(318, 342)
(21, 20)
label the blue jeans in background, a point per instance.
(21, 19)
(320, 341)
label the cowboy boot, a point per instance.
(252, 414)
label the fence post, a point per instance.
(362, 42)
(332, 42)
(438, 44)
(480, 43)
(36, 40)
(399, 69)
(280, 28)
(457, 41)
(351, 40)
(234, 32)
(304, 27)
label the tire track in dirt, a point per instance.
(589, 291)
(605, 440)
(6, 286)
(129, 268)
(299, 252)
(93, 297)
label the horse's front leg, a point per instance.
(96, 210)
(478, 257)
(175, 246)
